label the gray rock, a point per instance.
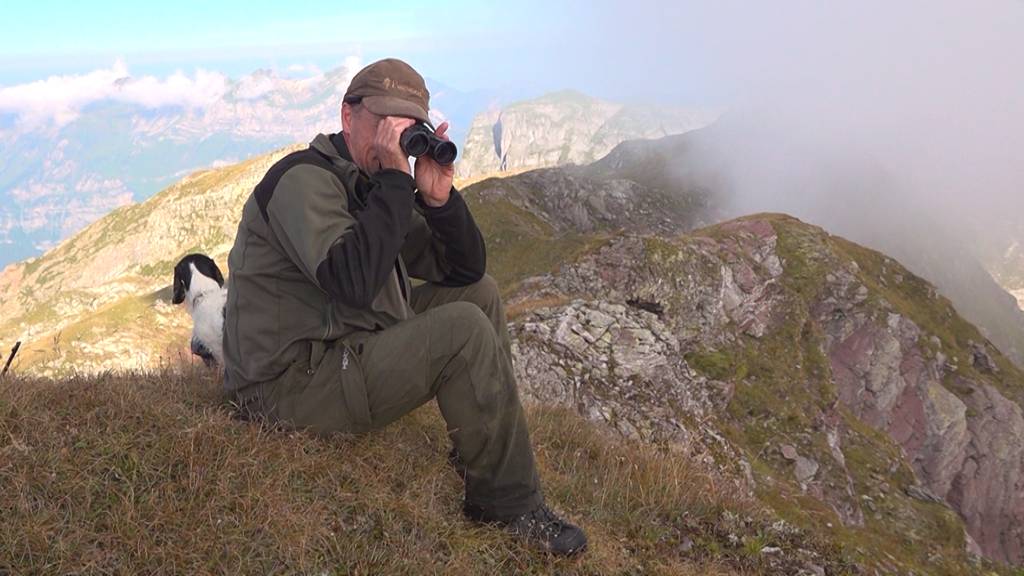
(981, 359)
(805, 469)
(788, 451)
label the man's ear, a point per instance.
(346, 116)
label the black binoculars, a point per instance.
(418, 139)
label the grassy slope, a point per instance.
(150, 474)
(133, 323)
(45, 276)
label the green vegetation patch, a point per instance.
(520, 244)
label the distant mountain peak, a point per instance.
(564, 127)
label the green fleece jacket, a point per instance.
(323, 250)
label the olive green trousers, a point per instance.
(457, 350)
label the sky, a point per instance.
(237, 37)
(231, 36)
(530, 46)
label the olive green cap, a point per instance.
(391, 87)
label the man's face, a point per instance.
(360, 126)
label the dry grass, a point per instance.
(149, 473)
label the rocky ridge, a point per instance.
(657, 338)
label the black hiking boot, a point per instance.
(540, 528)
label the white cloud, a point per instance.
(176, 90)
(253, 86)
(59, 99)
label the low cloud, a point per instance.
(896, 124)
(59, 100)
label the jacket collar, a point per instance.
(339, 144)
(333, 146)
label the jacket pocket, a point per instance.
(353, 386)
(322, 392)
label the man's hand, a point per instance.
(433, 180)
(386, 145)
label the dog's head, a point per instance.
(203, 264)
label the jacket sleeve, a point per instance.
(444, 245)
(348, 256)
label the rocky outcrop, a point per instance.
(615, 363)
(965, 447)
(713, 285)
(988, 489)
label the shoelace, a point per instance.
(545, 520)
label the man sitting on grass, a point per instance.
(324, 331)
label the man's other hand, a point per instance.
(386, 143)
(433, 180)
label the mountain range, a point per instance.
(59, 174)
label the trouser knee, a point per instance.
(484, 293)
(480, 354)
(469, 322)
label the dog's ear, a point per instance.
(209, 268)
(218, 276)
(182, 277)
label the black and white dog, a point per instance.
(199, 284)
